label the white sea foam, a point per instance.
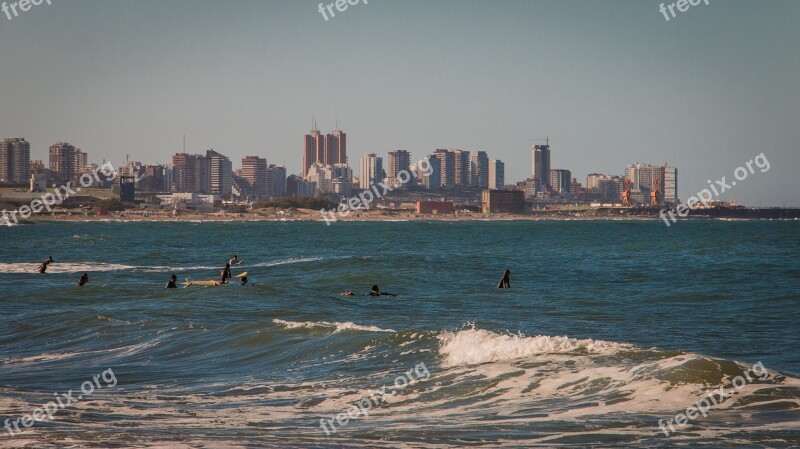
(474, 346)
(346, 326)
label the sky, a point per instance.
(610, 82)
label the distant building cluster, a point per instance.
(454, 173)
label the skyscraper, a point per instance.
(66, 161)
(560, 180)
(398, 161)
(184, 173)
(276, 181)
(15, 157)
(220, 173)
(432, 180)
(479, 167)
(541, 166)
(670, 184)
(254, 171)
(497, 174)
(371, 170)
(326, 149)
(447, 160)
(461, 162)
(314, 149)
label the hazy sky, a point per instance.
(611, 82)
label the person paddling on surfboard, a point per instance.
(376, 291)
(172, 282)
(83, 280)
(505, 281)
(43, 267)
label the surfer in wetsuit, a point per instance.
(505, 281)
(172, 282)
(234, 261)
(225, 274)
(244, 282)
(376, 291)
(83, 280)
(43, 267)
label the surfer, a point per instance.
(172, 282)
(225, 274)
(376, 291)
(505, 281)
(244, 282)
(43, 267)
(83, 280)
(347, 293)
(235, 261)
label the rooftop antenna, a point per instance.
(184, 142)
(546, 139)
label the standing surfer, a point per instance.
(505, 281)
(43, 267)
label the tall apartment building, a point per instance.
(461, 161)
(220, 170)
(560, 180)
(670, 184)
(447, 161)
(15, 157)
(540, 171)
(593, 179)
(66, 161)
(497, 174)
(321, 175)
(479, 168)
(642, 176)
(276, 181)
(398, 161)
(329, 149)
(184, 173)
(254, 171)
(432, 180)
(371, 170)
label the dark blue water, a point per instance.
(655, 318)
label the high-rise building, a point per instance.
(314, 150)
(432, 179)
(541, 166)
(297, 186)
(670, 184)
(329, 149)
(66, 161)
(276, 181)
(593, 179)
(220, 173)
(479, 167)
(642, 176)
(15, 157)
(371, 170)
(398, 161)
(560, 180)
(335, 148)
(461, 162)
(321, 175)
(611, 189)
(497, 174)
(447, 161)
(254, 171)
(184, 173)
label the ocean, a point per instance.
(610, 330)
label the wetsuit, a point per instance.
(171, 284)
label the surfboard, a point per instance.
(189, 283)
(241, 275)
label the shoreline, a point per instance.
(364, 218)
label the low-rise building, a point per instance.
(435, 207)
(503, 201)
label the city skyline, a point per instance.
(601, 93)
